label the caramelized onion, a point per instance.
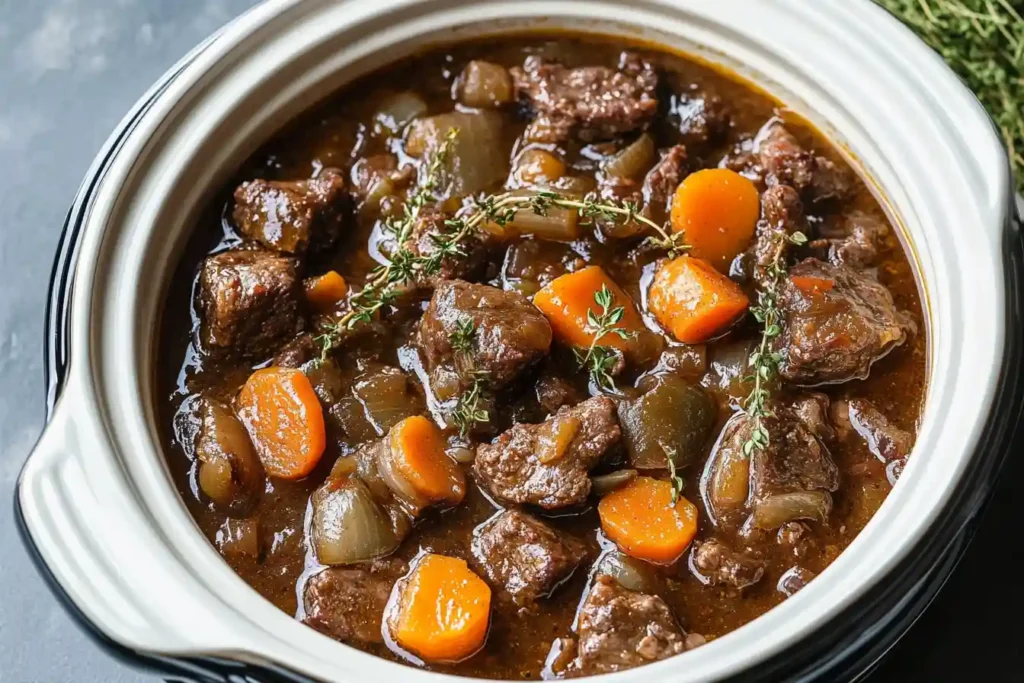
(399, 110)
(230, 472)
(776, 510)
(604, 484)
(634, 160)
(384, 393)
(630, 573)
(555, 436)
(348, 524)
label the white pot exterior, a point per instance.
(96, 495)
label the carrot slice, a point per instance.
(284, 419)
(566, 300)
(717, 209)
(325, 291)
(641, 519)
(810, 285)
(443, 610)
(418, 450)
(693, 300)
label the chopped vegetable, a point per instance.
(717, 209)
(634, 160)
(556, 223)
(810, 285)
(418, 452)
(630, 573)
(384, 394)
(348, 525)
(555, 436)
(674, 414)
(641, 519)
(282, 414)
(603, 484)
(230, 473)
(399, 109)
(694, 301)
(484, 84)
(567, 300)
(324, 292)
(776, 510)
(536, 166)
(443, 610)
(479, 156)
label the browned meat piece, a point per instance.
(833, 333)
(886, 441)
(509, 335)
(296, 353)
(813, 410)
(815, 177)
(250, 302)
(547, 464)
(662, 180)
(471, 264)
(620, 629)
(369, 172)
(348, 604)
(703, 119)
(554, 391)
(796, 538)
(791, 478)
(793, 580)
(854, 240)
(714, 563)
(524, 556)
(782, 214)
(590, 103)
(292, 216)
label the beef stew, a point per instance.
(488, 318)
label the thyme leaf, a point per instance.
(599, 361)
(468, 411)
(764, 362)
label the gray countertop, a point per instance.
(69, 70)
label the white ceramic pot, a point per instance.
(96, 498)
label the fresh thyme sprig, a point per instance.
(983, 41)
(599, 360)
(462, 338)
(468, 411)
(674, 478)
(764, 362)
(404, 266)
(502, 209)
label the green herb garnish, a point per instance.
(468, 411)
(600, 360)
(764, 363)
(983, 42)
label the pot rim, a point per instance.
(51, 462)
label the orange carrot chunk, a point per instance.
(694, 301)
(282, 414)
(566, 300)
(810, 285)
(443, 610)
(418, 450)
(717, 209)
(325, 291)
(641, 519)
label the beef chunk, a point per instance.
(554, 391)
(714, 563)
(854, 240)
(662, 180)
(250, 302)
(795, 537)
(791, 478)
(524, 556)
(470, 264)
(590, 103)
(509, 335)
(886, 441)
(299, 351)
(782, 214)
(547, 464)
(784, 160)
(703, 119)
(834, 332)
(292, 216)
(793, 580)
(619, 629)
(348, 604)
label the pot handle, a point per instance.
(120, 584)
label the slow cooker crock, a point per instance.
(96, 501)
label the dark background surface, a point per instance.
(69, 70)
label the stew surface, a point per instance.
(517, 435)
